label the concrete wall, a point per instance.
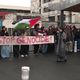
(34, 6)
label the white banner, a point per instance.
(25, 40)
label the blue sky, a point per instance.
(22, 3)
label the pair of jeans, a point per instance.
(5, 52)
(43, 48)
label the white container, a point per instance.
(25, 73)
(75, 47)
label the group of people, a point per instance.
(67, 39)
(64, 40)
(20, 50)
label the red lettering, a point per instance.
(8, 40)
(1, 40)
(28, 40)
(34, 40)
(20, 40)
(38, 39)
(12, 39)
(42, 39)
(46, 39)
(4, 38)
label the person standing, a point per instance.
(51, 46)
(43, 47)
(70, 38)
(16, 47)
(60, 48)
(24, 51)
(35, 33)
(74, 38)
(5, 51)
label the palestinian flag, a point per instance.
(26, 23)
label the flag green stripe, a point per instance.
(22, 26)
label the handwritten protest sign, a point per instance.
(26, 40)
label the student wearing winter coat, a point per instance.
(60, 48)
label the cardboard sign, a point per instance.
(26, 40)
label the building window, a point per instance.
(45, 1)
(23, 17)
(40, 11)
(60, 18)
(47, 10)
(52, 19)
(39, 3)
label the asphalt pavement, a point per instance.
(42, 67)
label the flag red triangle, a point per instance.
(34, 21)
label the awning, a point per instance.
(4, 13)
(75, 8)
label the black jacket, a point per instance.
(3, 33)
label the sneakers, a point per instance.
(22, 56)
(26, 55)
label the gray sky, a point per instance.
(22, 3)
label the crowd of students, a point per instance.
(65, 39)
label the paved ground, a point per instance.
(42, 68)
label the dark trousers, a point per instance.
(16, 50)
(51, 48)
(24, 50)
(36, 48)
